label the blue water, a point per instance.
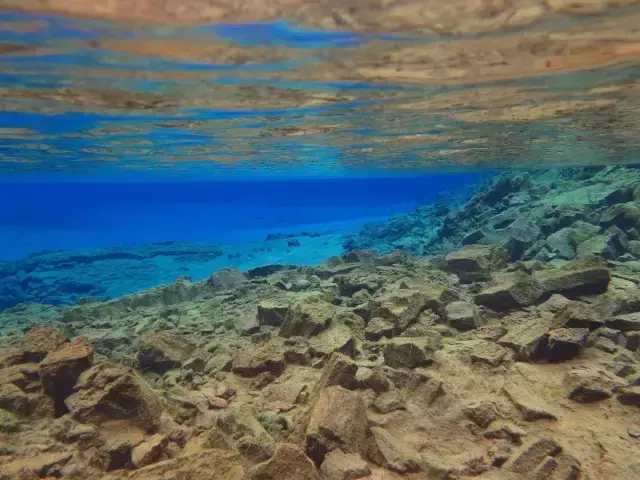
(73, 215)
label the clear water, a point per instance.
(118, 136)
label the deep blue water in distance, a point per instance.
(71, 215)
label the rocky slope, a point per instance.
(550, 215)
(379, 367)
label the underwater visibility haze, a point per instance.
(319, 239)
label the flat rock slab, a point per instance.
(531, 406)
(625, 323)
(528, 340)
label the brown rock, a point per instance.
(162, 351)
(201, 465)
(402, 352)
(629, 395)
(390, 452)
(482, 413)
(60, 370)
(268, 357)
(379, 327)
(250, 437)
(338, 420)
(39, 341)
(150, 451)
(580, 277)
(288, 463)
(528, 340)
(112, 392)
(625, 323)
(337, 338)
(21, 392)
(590, 385)
(462, 316)
(338, 465)
(531, 406)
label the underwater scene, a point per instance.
(320, 239)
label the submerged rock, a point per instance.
(112, 392)
(475, 263)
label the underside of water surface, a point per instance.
(319, 240)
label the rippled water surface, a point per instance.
(125, 123)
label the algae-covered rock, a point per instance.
(409, 352)
(306, 318)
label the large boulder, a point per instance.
(113, 392)
(338, 420)
(163, 351)
(627, 322)
(61, 368)
(306, 318)
(582, 277)
(514, 291)
(21, 391)
(475, 263)
(626, 215)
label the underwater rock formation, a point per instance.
(444, 367)
(491, 360)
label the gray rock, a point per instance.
(587, 385)
(629, 395)
(560, 243)
(388, 402)
(227, 279)
(625, 323)
(490, 354)
(601, 245)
